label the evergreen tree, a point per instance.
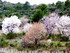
(37, 16)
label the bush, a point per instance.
(11, 35)
(20, 48)
(60, 44)
(64, 38)
(55, 37)
(3, 42)
(54, 44)
(14, 35)
(20, 34)
(14, 43)
(68, 44)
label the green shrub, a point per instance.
(20, 48)
(3, 42)
(37, 16)
(59, 44)
(14, 35)
(68, 44)
(55, 37)
(21, 34)
(53, 44)
(14, 43)
(11, 35)
(64, 38)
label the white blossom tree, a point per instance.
(57, 25)
(24, 20)
(26, 27)
(11, 25)
(51, 23)
(64, 23)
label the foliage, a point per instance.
(56, 37)
(64, 38)
(21, 34)
(14, 35)
(3, 42)
(20, 48)
(26, 6)
(37, 16)
(11, 35)
(14, 43)
(68, 44)
(43, 7)
(67, 4)
(20, 9)
(60, 5)
(55, 44)
(67, 7)
(17, 14)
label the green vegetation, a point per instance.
(34, 13)
(43, 7)
(14, 35)
(37, 16)
(15, 43)
(11, 35)
(7, 9)
(3, 42)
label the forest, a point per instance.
(7, 9)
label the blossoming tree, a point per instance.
(26, 27)
(11, 25)
(35, 33)
(57, 25)
(64, 24)
(50, 23)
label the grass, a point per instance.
(15, 43)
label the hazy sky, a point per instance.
(34, 1)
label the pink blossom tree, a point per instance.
(51, 23)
